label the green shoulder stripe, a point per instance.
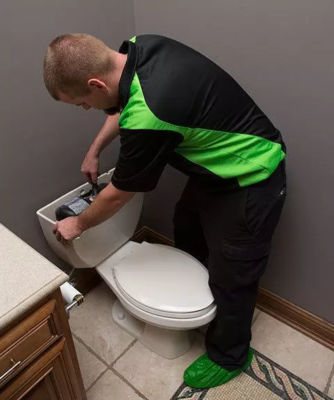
(246, 157)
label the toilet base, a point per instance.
(168, 343)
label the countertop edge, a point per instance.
(22, 307)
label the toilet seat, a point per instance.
(164, 281)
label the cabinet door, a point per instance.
(45, 379)
(42, 391)
(26, 341)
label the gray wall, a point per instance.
(281, 52)
(43, 142)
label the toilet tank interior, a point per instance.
(98, 242)
(49, 210)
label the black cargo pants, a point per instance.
(230, 233)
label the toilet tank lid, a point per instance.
(164, 278)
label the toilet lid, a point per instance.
(164, 280)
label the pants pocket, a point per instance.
(263, 208)
(242, 264)
(241, 252)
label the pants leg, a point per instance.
(188, 234)
(238, 228)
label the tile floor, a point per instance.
(115, 366)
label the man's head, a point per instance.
(80, 69)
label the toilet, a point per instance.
(162, 292)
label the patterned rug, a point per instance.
(263, 380)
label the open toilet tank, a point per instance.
(162, 292)
(98, 242)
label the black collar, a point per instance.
(129, 48)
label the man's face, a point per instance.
(97, 99)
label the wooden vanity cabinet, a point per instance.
(37, 355)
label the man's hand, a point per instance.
(67, 229)
(108, 132)
(90, 167)
(109, 201)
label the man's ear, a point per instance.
(95, 83)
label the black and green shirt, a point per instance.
(180, 108)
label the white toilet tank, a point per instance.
(99, 242)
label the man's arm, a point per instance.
(105, 205)
(107, 133)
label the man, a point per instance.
(171, 104)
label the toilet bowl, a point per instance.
(162, 292)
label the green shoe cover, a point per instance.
(204, 373)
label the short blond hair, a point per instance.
(71, 60)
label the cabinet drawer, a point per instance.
(27, 340)
(46, 378)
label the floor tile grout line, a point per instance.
(109, 367)
(128, 383)
(90, 349)
(95, 380)
(328, 384)
(123, 352)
